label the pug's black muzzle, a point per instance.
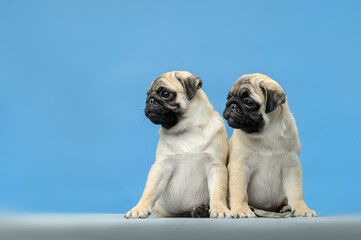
(233, 115)
(159, 113)
(241, 119)
(153, 106)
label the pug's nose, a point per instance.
(151, 101)
(234, 107)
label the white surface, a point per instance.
(114, 226)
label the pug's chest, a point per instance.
(187, 185)
(188, 166)
(265, 189)
(188, 144)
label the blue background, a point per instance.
(74, 75)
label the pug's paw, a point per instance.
(243, 212)
(138, 212)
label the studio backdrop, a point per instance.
(74, 76)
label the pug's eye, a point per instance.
(165, 94)
(248, 102)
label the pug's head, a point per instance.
(251, 98)
(169, 95)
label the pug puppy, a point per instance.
(264, 168)
(191, 157)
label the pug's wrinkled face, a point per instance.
(168, 95)
(242, 111)
(250, 98)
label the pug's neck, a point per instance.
(196, 116)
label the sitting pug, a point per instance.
(264, 168)
(190, 167)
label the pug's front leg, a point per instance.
(217, 185)
(238, 182)
(292, 185)
(157, 181)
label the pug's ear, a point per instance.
(190, 84)
(273, 98)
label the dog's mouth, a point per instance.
(234, 121)
(234, 118)
(158, 116)
(239, 120)
(154, 116)
(232, 114)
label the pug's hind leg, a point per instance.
(286, 208)
(200, 211)
(292, 185)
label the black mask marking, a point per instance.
(241, 112)
(161, 108)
